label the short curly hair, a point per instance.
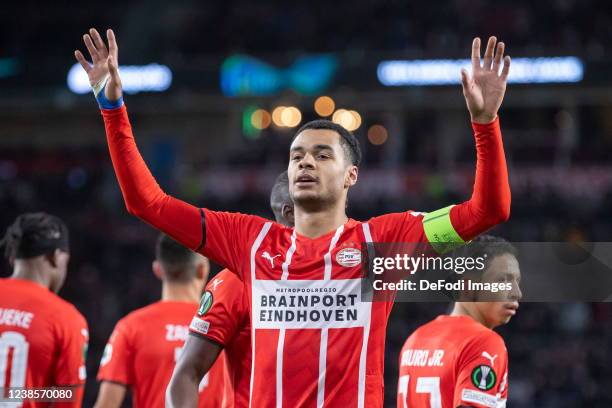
(348, 141)
(34, 234)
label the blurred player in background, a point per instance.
(145, 345)
(43, 338)
(223, 323)
(457, 360)
(312, 350)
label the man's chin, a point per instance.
(308, 200)
(305, 196)
(505, 320)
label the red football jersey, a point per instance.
(142, 351)
(314, 342)
(304, 294)
(453, 361)
(224, 318)
(43, 340)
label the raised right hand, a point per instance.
(104, 63)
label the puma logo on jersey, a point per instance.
(489, 357)
(269, 257)
(216, 282)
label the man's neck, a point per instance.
(317, 223)
(180, 292)
(31, 271)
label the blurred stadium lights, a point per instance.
(261, 119)
(291, 116)
(8, 67)
(276, 115)
(356, 120)
(348, 119)
(249, 127)
(377, 134)
(135, 78)
(243, 75)
(324, 106)
(447, 72)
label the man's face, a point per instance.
(502, 268)
(319, 174)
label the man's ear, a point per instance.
(351, 176)
(203, 269)
(158, 270)
(287, 212)
(53, 258)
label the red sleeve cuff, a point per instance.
(110, 113)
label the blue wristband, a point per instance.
(104, 103)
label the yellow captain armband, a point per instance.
(440, 232)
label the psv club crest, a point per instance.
(348, 257)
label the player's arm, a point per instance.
(489, 204)
(196, 359)
(70, 366)
(482, 373)
(111, 395)
(142, 195)
(222, 313)
(116, 367)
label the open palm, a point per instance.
(104, 65)
(484, 90)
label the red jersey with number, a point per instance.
(43, 340)
(142, 351)
(453, 361)
(314, 341)
(225, 319)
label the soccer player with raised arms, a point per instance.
(145, 345)
(223, 323)
(457, 360)
(43, 338)
(314, 342)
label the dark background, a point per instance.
(558, 139)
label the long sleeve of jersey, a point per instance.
(490, 201)
(142, 195)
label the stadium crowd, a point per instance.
(191, 29)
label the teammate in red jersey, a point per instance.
(458, 360)
(145, 345)
(314, 341)
(43, 338)
(223, 323)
